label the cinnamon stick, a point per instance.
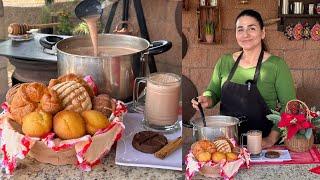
(169, 148)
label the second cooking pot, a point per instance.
(114, 74)
(217, 126)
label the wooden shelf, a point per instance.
(292, 19)
(300, 16)
(209, 14)
(208, 7)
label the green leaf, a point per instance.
(300, 135)
(275, 112)
(316, 121)
(308, 133)
(302, 131)
(274, 118)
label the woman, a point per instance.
(250, 82)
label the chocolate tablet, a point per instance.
(149, 141)
(272, 154)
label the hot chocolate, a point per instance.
(92, 24)
(254, 140)
(103, 51)
(162, 99)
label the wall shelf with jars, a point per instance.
(293, 12)
(209, 22)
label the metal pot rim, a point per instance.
(105, 35)
(235, 121)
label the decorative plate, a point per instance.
(306, 33)
(298, 31)
(289, 32)
(315, 32)
(24, 37)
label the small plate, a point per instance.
(24, 37)
(126, 155)
(315, 32)
(284, 156)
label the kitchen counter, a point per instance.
(31, 169)
(272, 172)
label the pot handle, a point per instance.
(158, 47)
(242, 119)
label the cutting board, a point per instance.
(126, 155)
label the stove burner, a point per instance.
(49, 44)
(49, 41)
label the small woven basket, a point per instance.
(298, 144)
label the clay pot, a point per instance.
(209, 38)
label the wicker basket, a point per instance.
(100, 145)
(299, 144)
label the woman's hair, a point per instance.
(257, 16)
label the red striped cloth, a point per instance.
(310, 157)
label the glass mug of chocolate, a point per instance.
(161, 106)
(254, 142)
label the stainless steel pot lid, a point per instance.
(216, 121)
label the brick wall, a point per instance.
(303, 57)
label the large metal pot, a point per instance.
(113, 74)
(217, 126)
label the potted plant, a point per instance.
(65, 26)
(46, 17)
(296, 125)
(209, 31)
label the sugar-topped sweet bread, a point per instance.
(73, 96)
(72, 77)
(223, 145)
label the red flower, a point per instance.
(313, 114)
(294, 123)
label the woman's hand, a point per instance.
(205, 102)
(269, 141)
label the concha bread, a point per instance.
(223, 145)
(72, 77)
(73, 96)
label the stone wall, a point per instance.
(303, 56)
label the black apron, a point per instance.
(245, 100)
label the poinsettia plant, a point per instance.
(296, 121)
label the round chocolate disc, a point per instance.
(272, 154)
(149, 141)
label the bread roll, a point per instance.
(72, 77)
(223, 145)
(68, 125)
(73, 96)
(104, 104)
(50, 102)
(95, 120)
(37, 124)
